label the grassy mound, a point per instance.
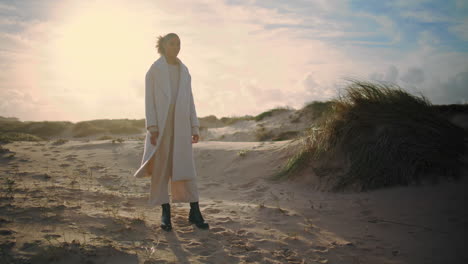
(9, 137)
(379, 135)
(42, 129)
(110, 126)
(313, 111)
(271, 112)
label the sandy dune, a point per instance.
(78, 202)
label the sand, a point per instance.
(78, 202)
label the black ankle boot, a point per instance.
(166, 217)
(196, 217)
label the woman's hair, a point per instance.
(162, 40)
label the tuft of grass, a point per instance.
(286, 135)
(296, 163)
(262, 134)
(385, 136)
(4, 150)
(242, 153)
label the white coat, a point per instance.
(157, 100)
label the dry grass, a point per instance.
(380, 135)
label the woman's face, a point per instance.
(172, 47)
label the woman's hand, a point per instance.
(154, 137)
(195, 138)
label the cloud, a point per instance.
(427, 16)
(17, 103)
(391, 75)
(460, 29)
(457, 87)
(244, 56)
(413, 76)
(454, 90)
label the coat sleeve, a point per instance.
(193, 112)
(150, 106)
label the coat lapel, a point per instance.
(167, 83)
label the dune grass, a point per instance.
(315, 109)
(8, 137)
(110, 126)
(231, 120)
(11, 129)
(384, 136)
(271, 112)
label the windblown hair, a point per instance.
(162, 40)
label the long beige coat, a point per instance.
(157, 99)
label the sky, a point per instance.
(84, 60)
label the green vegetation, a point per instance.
(286, 135)
(109, 126)
(18, 136)
(315, 111)
(262, 134)
(11, 129)
(16, 130)
(379, 135)
(231, 120)
(210, 118)
(223, 121)
(271, 112)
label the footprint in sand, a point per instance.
(97, 167)
(211, 211)
(210, 184)
(43, 176)
(205, 253)
(262, 188)
(247, 185)
(51, 236)
(185, 229)
(71, 157)
(224, 220)
(194, 244)
(217, 229)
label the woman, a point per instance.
(172, 127)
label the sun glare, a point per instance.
(99, 47)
